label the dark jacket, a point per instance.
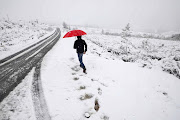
(79, 45)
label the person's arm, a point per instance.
(75, 45)
(85, 46)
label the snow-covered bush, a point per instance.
(129, 58)
(109, 33)
(126, 31)
(177, 58)
(175, 36)
(171, 67)
(148, 46)
(148, 53)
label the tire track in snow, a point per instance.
(40, 106)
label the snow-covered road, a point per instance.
(14, 68)
(123, 90)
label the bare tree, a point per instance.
(126, 31)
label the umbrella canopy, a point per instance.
(74, 33)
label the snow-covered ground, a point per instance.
(137, 89)
(18, 105)
(121, 90)
(17, 35)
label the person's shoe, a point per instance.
(84, 70)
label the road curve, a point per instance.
(15, 67)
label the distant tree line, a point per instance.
(127, 32)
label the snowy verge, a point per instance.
(18, 105)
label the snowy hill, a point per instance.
(16, 35)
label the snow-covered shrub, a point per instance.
(171, 67)
(124, 49)
(147, 52)
(155, 56)
(109, 33)
(148, 46)
(126, 31)
(40, 35)
(177, 58)
(175, 36)
(129, 58)
(3, 48)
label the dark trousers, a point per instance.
(80, 57)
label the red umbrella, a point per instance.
(74, 33)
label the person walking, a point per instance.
(81, 48)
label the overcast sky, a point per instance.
(161, 15)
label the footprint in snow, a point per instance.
(96, 105)
(73, 73)
(99, 91)
(104, 117)
(72, 59)
(76, 68)
(75, 78)
(86, 96)
(82, 88)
